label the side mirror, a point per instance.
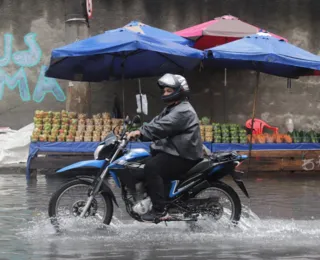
(136, 120)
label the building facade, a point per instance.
(30, 29)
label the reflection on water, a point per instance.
(281, 221)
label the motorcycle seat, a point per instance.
(199, 167)
(221, 157)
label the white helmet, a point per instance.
(178, 83)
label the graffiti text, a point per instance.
(28, 58)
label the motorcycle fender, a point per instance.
(236, 177)
(104, 187)
(90, 163)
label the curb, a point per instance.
(13, 168)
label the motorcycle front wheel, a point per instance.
(68, 201)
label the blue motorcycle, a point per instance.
(201, 194)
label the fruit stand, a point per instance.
(62, 138)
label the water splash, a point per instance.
(251, 229)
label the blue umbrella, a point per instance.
(121, 54)
(264, 54)
(148, 30)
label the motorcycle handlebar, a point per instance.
(123, 135)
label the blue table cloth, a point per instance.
(89, 147)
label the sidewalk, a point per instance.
(13, 168)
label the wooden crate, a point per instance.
(56, 160)
(286, 160)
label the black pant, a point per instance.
(162, 168)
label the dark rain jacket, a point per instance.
(175, 131)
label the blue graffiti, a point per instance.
(27, 58)
(46, 85)
(6, 58)
(18, 79)
(30, 57)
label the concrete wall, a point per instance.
(296, 20)
(29, 30)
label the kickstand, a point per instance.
(166, 223)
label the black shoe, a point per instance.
(155, 216)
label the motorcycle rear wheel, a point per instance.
(230, 194)
(74, 209)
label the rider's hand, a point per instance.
(133, 135)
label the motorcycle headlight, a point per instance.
(97, 151)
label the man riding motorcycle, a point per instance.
(177, 145)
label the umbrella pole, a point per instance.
(225, 94)
(123, 105)
(123, 94)
(90, 100)
(140, 95)
(253, 116)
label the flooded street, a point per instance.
(281, 221)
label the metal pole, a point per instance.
(122, 84)
(77, 28)
(253, 116)
(123, 101)
(225, 97)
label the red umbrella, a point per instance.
(219, 31)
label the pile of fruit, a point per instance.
(269, 138)
(206, 130)
(222, 133)
(68, 126)
(305, 137)
(294, 137)
(229, 133)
